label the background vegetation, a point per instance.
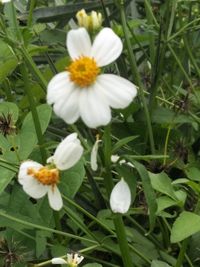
(158, 133)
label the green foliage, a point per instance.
(156, 138)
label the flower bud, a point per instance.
(120, 198)
(90, 22)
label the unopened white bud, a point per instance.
(120, 198)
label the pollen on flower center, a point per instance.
(45, 176)
(83, 71)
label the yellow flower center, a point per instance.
(83, 71)
(45, 176)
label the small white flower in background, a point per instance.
(90, 22)
(93, 157)
(38, 180)
(73, 260)
(4, 1)
(115, 159)
(81, 91)
(120, 198)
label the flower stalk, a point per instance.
(137, 77)
(118, 221)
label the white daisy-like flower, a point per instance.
(73, 260)
(81, 90)
(38, 180)
(120, 198)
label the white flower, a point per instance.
(81, 91)
(115, 159)
(93, 157)
(120, 198)
(38, 180)
(73, 260)
(4, 1)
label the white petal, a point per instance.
(30, 184)
(78, 43)
(23, 177)
(55, 199)
(74, 258)
(35, 189)
(107, 47)
(68, 152)
(120, 198)
(58, 261)
(93, 157)
(58, 86)
(114, 158)
(118, 91)
(64, 95)
(67, 107)
(94, 109)
(80, 259)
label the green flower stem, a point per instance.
(33, 68)
(186, 38)
(30, 13)
(150, 16)
(136, 75)
(34, 112)
(105, 227)
(185, 27)
(182, 69)
(41, 227)
(118, 222)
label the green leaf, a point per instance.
(6, 177)
(186, 224)
(148, 192)
(193, 173)
(123, 142)
(72, 179)
(8, 61)
(164, 202)
(162, 183)
(166, 116)
(9, 108)
(156, 263)
(27, 136)
(41, 241)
